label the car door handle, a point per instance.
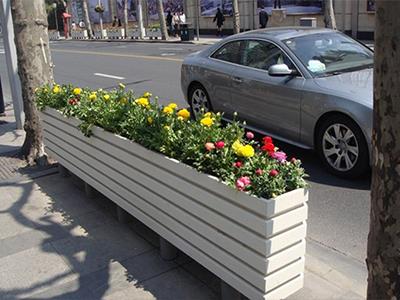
(237, 79)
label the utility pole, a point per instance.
(11, 62)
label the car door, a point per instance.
(218, 75)
(272, 104)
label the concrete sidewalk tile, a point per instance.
(212, 281)
(102, 245)
(11, 226)
(21, 242)
(31, 271)
(145, 232)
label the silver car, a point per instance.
(310, 87)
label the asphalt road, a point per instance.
(338, 209)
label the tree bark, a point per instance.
(126, 17)
(139, 15)
(161, 16)
(383, 257)
(87, 18)
(34, 69)
(329, 15)
(236, 16)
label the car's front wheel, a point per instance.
(341, 146)
(198, 100)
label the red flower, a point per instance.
(259, 172)
(273, 173)
(220, 144)
(238, 164)
(267, 140)
(268, 147)
(72, 101)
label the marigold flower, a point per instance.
(207, 121)
(173, 105)
(249, 135)
(77, 91)
(209, 146)
(150, 120)
(142, 102)
(106, 97)
(121, 85)
(147, 95)
(273, 173)
(92, 96)
(184, 113)
(56, 89)
(168, 110)
(242, 183)
(220, 144)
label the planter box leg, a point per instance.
(90, 192)
(63, 171)
(229, 293)
(167, 250)
(122, 216)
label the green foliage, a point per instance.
(226, 152)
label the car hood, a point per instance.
(356, 86)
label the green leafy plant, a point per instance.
(227, 152)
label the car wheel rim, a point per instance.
(200, 102)
(340, 147)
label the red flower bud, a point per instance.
(238, 164)
(220, 144)
(273, 173)
(259, 172)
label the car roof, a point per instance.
(282, 33)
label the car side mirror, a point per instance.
(281, 70)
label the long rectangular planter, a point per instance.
(118, 33)
(79, 34)
(255, 245)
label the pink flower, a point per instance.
(273, 173)
(242, 183)
(259, 172)
(209, 146)
(220, 144)
(238, 164)
(293, 160)
(279, 156)
(250, 135)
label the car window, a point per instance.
(229, 52)
(262, 55)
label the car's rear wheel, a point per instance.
(341, 146)
(199, 100)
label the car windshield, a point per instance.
(325, 54)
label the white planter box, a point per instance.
(54, 35)
(255, 245)
(116, 33)
(153, 33)
(133, 33)
(97, 34)
(79, 34)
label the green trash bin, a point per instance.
(187, 33)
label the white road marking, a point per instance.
(2, 52)
(109, 76)
(168, 54)
(172, 49)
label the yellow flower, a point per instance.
(168, 110)
(77, 91)
(150, 120)
(236, 146)
(123, 101)
(207, 121)
(207, 115)
(184, 113)
(147, 95)
(56, 89)
(142, 102)
(106, 97)
(246, 151)
(92, 96)
(173, 105)
(181, 118)
(121, 85)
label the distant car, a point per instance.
(310, 87)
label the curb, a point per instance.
(339, 269)
(141, 41)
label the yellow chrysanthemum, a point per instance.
(123, 101)
(142, 102)
(147, 95)
(77, 91)
(168, 110)
(236, 147)
(92, 96)
(56, 89)
(207, 121)
(207, 115)
(184, 113)
(150, 120)
(246, 151)
(121, 85)
(106, 97)
(173, 105)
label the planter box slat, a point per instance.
(255, 245)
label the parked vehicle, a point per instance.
(310, 87)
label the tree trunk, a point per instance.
(139, 15)
(329, 15)
(87, 18)
(163, 25)
(34, 69)
(236, 16)
(383, 258)
(126, 17)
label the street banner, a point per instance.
(209, 8)
(292, 7)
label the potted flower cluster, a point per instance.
(234, 204)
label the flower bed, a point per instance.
(256, 245)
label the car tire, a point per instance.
(341, 146)
(199, 100)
